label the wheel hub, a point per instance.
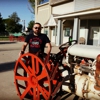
(34, 81)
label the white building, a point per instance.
(63, 18)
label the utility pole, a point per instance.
(24, 25)
(0, 15)
(23, 29)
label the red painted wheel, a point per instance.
(31, 78)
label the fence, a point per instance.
(14, 38)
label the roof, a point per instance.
(78, 13)
(51, 21)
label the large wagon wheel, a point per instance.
(31, 78)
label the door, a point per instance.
(83, 33)
(53, 35)
(95, 35)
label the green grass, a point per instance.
(3, 38)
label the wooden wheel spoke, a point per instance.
(42, 75)
(33, 64)
(21, 78)
(43, 92)
(25, 92)
(25, 67)
(36, 94)
(37, 66)
(30, 69)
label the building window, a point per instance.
(67, 32)
(44, 1)
(46, 31)
(94, 32)
(54, 32)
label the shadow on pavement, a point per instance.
(9, 49)
(6, 42)
(7, 66)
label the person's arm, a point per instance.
(23, 48)
(48, 50)
(48, 45)
(24, 45)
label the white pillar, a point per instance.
(78, 28)
(61, 42)
(75, 28)
(58, 39)
(98, 38)
(55, 34)
(49, 35)
(86, 36)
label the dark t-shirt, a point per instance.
(37, 43)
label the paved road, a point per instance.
(8, 56)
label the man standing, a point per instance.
(36, 41)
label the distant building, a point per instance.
(27, 30)
(63, 18)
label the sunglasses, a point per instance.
(37, 28)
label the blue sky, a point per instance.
(7, 7)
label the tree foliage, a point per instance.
(2, 25)
(12, 23)
(30, 24)
(14, 17)
(32, 3)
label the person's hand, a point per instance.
(21, 53)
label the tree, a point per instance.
(30, 25)
(32, 3)
(14, 17)
(2, 25)
(12, 23)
